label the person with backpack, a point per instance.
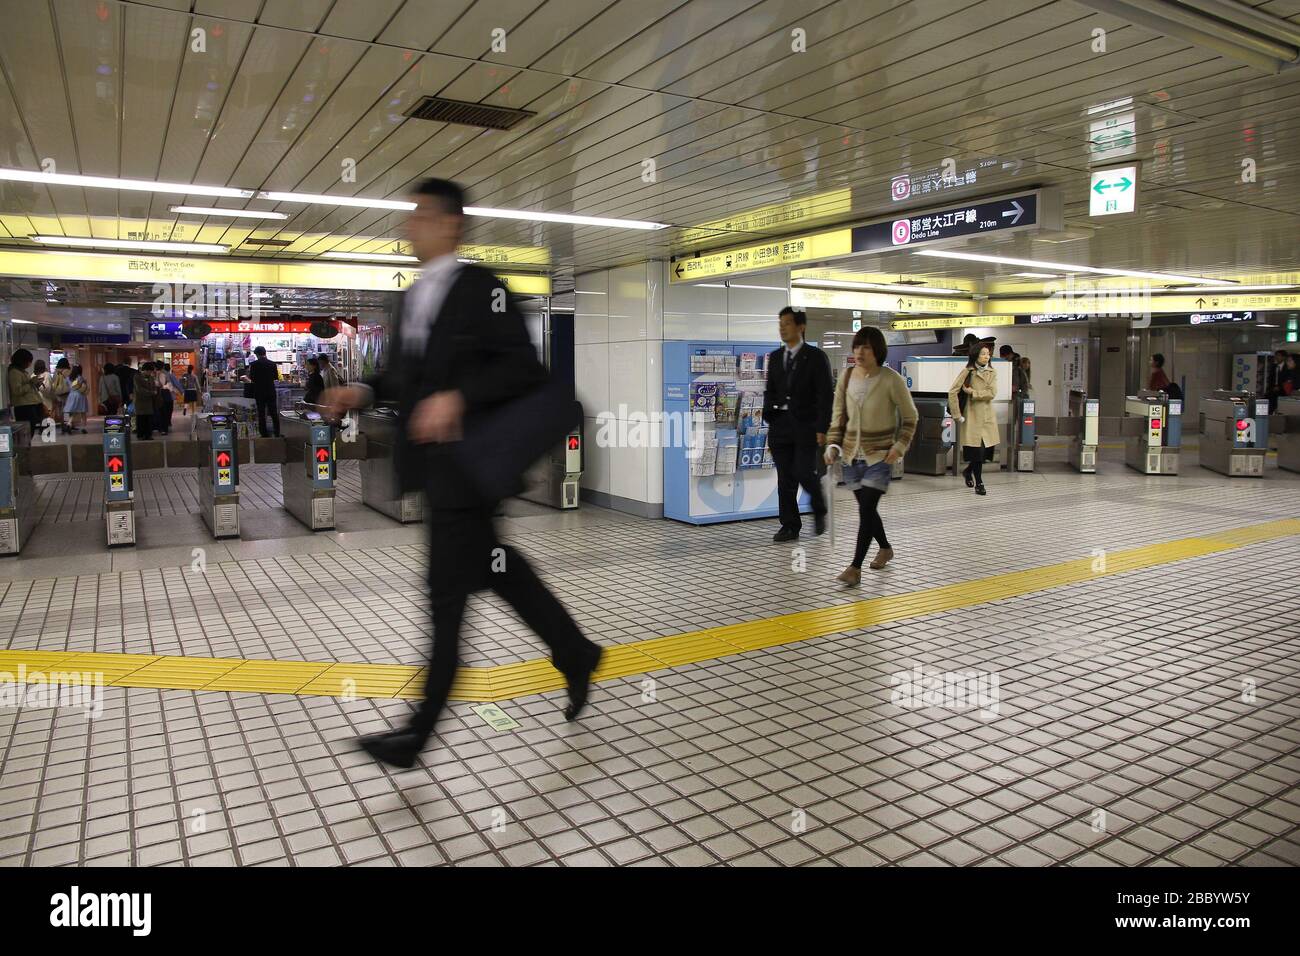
(971, 401)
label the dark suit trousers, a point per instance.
(794, 451)
(265, 405)
(465, 556)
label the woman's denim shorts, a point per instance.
(858, 474)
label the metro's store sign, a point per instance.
(284, 328)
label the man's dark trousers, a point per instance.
(794, 451)
(263, 406)
(465, 556)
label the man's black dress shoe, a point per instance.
(397, 747)
(819, 524)
(785, 534)
(579, 681)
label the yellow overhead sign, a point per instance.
(779, 252)
(878, 302)
(949, 322)
(1131, 302)
(174, 269)
(837, 202)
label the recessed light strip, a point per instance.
(81, 242)
(370, 256)
(1067, 267)
(881, 286)
(229, 213)
(107, 182)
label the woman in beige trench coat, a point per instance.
(978, 426)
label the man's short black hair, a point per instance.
(450, 196)
(1006, 350)
(260, 352)
(1158, 360)
(800, 318)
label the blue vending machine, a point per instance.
(716, 463)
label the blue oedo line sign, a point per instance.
(1031, 209)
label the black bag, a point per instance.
(962, 397)
(500, 445)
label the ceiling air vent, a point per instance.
(440, 110)
(268, 242)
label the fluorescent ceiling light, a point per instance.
(358, 201)
(580, 292)
(1112, 105)
(231, 213)
(108, 182)
(711, 285)
(1037, 275)
(1235, 288)
(370, 256)
(768, 288)
(564, 217)
(1003, 260)
(882, 286)
(81, 242)
(22, 322)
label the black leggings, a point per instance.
(976, 467)
(869, 524)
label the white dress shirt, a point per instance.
(424, 301)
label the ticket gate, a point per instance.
(1083, 444)
(1288, 444)
(17, 489)
(119, 484)
(218, 475)
(936, 433)
(1023, 440)
(1155, 450)
(381, 485)
(555, 479)
(308, 472)
(1234, 433)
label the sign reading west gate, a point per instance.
(1039, 208)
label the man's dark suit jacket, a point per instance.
(487, 356)
(811, 390)
(264, 374)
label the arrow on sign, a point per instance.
(115, 464)
(322, 454)
(1122, 185)
(1200, 303)
(1018, 212)
(677, 270)
(399, 277)
(223, 458)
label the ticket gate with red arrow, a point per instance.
(218, 475)
(119, 491)
(308, 472)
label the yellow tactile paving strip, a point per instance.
(508, 681)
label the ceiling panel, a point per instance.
(711, 90)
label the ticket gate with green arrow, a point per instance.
(308, 472)
(1234, 433)
(119, 491)
(218, 475)
(17, 489)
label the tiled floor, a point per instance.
(1144, 717)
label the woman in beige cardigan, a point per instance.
(979, 425)
(872, 423)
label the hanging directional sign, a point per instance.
(1038, 208)
(1114, 137)
(1113, 191)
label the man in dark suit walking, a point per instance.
(797, 410)
(263, 373)
(461, 348)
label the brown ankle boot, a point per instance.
(883, 557)
(851, 576)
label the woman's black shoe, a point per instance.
(970, 482)
(979, 490)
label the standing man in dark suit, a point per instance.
(461, 348)
(264, 374)
(797, 409)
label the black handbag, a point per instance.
(500, 445)
(962, 397)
